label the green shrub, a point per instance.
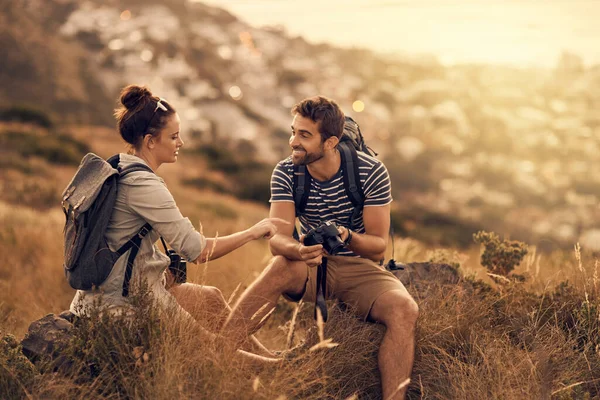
(26, 114)
(57, 149)
(16, 372)
(500, 256)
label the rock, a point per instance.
(418, 274)
(47, 338)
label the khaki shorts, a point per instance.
(355, 281)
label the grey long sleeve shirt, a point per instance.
(142, 197)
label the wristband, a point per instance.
(349, 238)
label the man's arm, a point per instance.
(283, 244)
(373, 242)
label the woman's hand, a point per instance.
(266, 228)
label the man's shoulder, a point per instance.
(285, 164)
(369, 161)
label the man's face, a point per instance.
(305, 141)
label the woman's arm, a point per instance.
(220, 246)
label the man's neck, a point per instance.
(325, 168)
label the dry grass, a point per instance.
(476, 339)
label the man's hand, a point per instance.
(311, 255)
(267, 228)
(343, 233)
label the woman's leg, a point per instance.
(207, 305)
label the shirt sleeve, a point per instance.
(377, 187)
(281, 184)
(151, 199)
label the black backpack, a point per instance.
(350, 143)
(88, 203)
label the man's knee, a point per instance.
(394, 308)
(285, 274)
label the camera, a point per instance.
(327, 235)
(177, 266)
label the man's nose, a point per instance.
(293, 141)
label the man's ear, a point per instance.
(331, 142)
(149, 141)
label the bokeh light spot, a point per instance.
(147, 55)
(358, 106)
(126, 15)
(235, 92)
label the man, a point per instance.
(355, 275)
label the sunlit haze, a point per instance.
(517, 32)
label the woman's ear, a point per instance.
(149, 141)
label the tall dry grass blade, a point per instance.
(499, 277)
(290, 337)
(261, 309)
(208, 258)
(230, 299)
(267, 315)
(324, 344)
(596, 278)
(320, 325)
(578, 256)
(573, 385)
(256, 384)
(399, 388)
(353, 397)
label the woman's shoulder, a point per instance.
(138, 177)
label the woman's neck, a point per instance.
(152, 163)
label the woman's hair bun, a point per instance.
(132, 95)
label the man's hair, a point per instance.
(325, 112)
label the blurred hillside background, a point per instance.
(510, 147)
(486, 114)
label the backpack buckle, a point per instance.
(143, 232)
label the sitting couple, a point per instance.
(354, 275)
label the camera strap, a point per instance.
(321, 289)
(164, 244)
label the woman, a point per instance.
(150, 126)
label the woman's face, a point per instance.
(168, 141)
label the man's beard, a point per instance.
(308, 158)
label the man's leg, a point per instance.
(397, 310)
(280, 276)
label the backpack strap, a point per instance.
(300, 191)
(301, 188)
(136, 241)
(134, 244)
(351, 179)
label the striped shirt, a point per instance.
(328, 201)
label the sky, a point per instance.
(514, 32)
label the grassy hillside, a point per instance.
(476, 338)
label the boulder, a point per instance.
(47, 338)
(420, 274)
